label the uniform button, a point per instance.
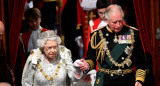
(107, 34)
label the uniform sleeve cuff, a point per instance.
(91, 64)
(140, 75)
(85, 72)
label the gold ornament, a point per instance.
(45, 75)
(98, 80)
(115, 39)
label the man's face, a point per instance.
(1, 30)
(101, 13)
(34, 23)
(50, 49)
(116, 21)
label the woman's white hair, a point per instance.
(48, 35)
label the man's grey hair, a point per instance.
(48, 35)
(112, 8)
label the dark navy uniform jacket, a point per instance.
(118, 51)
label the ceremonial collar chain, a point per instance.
(127, 60)
(45, 75)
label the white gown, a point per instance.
(33, 77)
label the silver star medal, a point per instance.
(127, 50)
(129, 62)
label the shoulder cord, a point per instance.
(98, 46)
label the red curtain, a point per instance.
(63, 5)
(147, 19)
(15, 14)
(142, 16)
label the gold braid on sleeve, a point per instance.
(91, 64)
(97, 46)
(140, 75)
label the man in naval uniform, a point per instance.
(118, 49)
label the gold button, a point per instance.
(111, 74)
(107, 34)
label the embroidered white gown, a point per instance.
(33, 77)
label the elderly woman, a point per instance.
(50, 64)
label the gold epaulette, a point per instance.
(97, 29)
(131, 27)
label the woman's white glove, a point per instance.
(78, 71)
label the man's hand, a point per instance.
(83, 65)
(138, 84)
(4, 84)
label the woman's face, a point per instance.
(51, 48)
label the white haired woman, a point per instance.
(50, 64)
